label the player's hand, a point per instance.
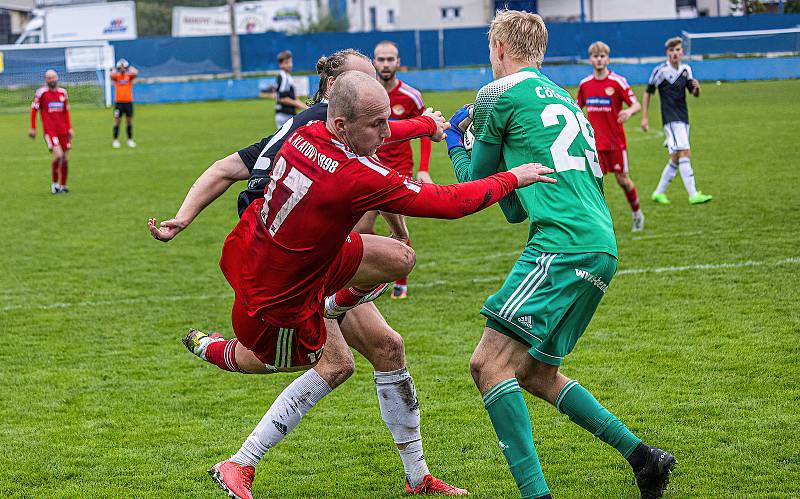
(71, 133)
(696, 88)
(459, 123)
(424, 176)
(644, 125)
(530, 173)
(623, 116)
(441, 124)
(165, 231)
(32, 133)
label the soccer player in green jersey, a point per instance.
(549, 297)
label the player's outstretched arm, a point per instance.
(208, 187)
(459, 200)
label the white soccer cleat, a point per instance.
(115, 144)
(638, 221)
(131, 143)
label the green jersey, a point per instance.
(533, 120)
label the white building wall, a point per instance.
(392, 15)
(607, 10)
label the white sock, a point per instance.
(687, 174)
(666, 177)
(397, 398)
(283, 416)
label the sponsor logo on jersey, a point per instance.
(598, 101)
(525, 321)
(398, 109)
(588, 276)
(55, 106)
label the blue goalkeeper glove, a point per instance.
(455, 134)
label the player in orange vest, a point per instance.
(123, 76)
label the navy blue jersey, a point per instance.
(258, 157)
(672, 85)
(286, 88)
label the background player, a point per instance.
(603, 93)
(123, 76)
(549, 297)
(286, 102)
(673, 79)
(406, 102)
(52, 103)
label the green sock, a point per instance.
(583, 409)
(512, 423)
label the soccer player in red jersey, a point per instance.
(602, 94)
(406, 102)
(51, 102)
(362, 328)
(296, 244)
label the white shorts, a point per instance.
(677, 136)
(281, 118)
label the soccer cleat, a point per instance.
(115, 144)
(197, 341)
(399, 292)
(64, 189)
(660, 198)
(699, 198)
(55, 188)
(236, 480)
(131, 143)
(432, 485)
(653, 478)
(638, 221)
(332, 310)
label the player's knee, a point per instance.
(536, 378)
(477, 364)
(336, 371)
(391, 349)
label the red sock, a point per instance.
(404, 280)
(223, 355)
(348, 297)
(64, 173)
(633, 199)
(54, 170)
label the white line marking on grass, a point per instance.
(429, 284)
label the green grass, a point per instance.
(100, 399)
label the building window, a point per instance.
(451, 13)
(390, 16)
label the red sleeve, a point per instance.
(66, 115)
(581, 99)
(425, 146)
(411, 128)
(33, 117)
(395, 193)
(627, 95)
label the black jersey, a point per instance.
(286, 88)
(258, 157)
(672, 85)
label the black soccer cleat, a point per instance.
(653, 477)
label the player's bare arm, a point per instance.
(695, 88)
(208, 187)
(625, 114)
(397, 226)
(645, 107)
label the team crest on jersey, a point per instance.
(398, 109)
(609, 90)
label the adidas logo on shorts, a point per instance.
(525, 321)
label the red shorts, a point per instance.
(614, 161)
(296, 346)
(58, 140)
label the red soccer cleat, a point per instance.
(432, 485)
(233, 478)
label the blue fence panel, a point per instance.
(429, 48)
(167, 56)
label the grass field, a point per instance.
(695, 347)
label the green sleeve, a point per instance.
(512, 208)
(484, 161)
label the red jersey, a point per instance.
(603, 101)
(406, 102)
(277, 256)
(54, 108)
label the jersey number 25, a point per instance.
(574, 123)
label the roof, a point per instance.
(19, 5)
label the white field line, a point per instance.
(429, 284)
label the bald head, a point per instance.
(51, 78)
(353, 93)
(358, 110)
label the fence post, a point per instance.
(441, 48)
(236, 60)
(418, 48)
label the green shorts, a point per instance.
(548, 300)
